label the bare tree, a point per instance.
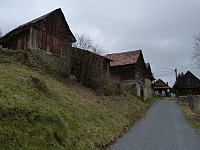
(196, 52)
(83, 41)
(86, 58)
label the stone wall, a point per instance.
(147, 89)
(140, 91)
(58, 64)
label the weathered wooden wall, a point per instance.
(49, 36)
(187, 84)
(50, 33)
(128, 72)
(41, 40)
(139, 75)
(125, 72)
(185, 91)
(54, 25)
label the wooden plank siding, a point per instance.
(139, 75)
(123, 72)
(186, 84)
(49, 35)
(49, 32)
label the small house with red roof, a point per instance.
(130, 68)
(162, 88)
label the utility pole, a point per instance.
(176, 73)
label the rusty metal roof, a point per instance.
(124, 58)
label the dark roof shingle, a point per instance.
(161, 84)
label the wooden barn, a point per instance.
(187, 83)
(49, 32)
(162, 88)
(49, 35)
(130, 68)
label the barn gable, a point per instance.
(49, 32)
(187, 83)
(49, 36)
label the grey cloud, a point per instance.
(163, 29)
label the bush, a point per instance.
(92, 83)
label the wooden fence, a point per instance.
(195, 99)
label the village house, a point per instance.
(162, 88)
(130, 68)
(187, 83)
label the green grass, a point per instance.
(193, 117)
(66, 116)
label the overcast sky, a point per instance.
(163, 29)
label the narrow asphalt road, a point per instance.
(164, 128)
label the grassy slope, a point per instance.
(193, 117)
(66, 117)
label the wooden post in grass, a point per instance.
(190, 100)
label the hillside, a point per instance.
(65, 116)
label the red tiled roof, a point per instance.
(124, 58)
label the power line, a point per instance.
(170, 76)
(159, 66)
(161, 71)
(165, 74)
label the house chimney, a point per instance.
(167, 83)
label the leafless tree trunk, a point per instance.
(1, 34)
(196, 52)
